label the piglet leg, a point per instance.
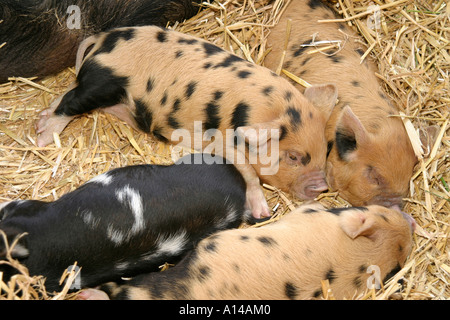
(255, 200)
(50, 123)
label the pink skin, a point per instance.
(92, 294)
(310, 185)
(49, 123)
(256, 202)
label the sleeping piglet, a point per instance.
(353, 248)
(124, 222)
(175, 87)
(371, 159)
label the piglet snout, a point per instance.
(314, 184)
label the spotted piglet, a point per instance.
(284, 260)
(124, 222)
(165, 83)
(370, 159)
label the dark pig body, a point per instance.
(41, 37)
(124, 222)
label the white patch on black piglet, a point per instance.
(122, 266)
(104, 179)
(232, 215)
(169, 245)
(89, 219)
(174, 244)
(19, 251)
(115, 236)
(131, 199)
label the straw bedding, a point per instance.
(412, 50)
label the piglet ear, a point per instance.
(355, 224)
(350, 133)
(12, 244)
(323, 97)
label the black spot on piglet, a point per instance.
(211, 246)
(244, 74)
(336, 59)
(268, 90)
(218, 95)
(301, 48)
(190, 89)
(331, 275)
(345, 144)
(171, 120)
(317, 293)
(212, 116)
(338, 211)
(143, 116)
(211, 49)
(267, 241)
(161, 36)
(178, 54)
(150, 84)
(158, 135)
(244, 238)
(204, 273)
(240, 115)
(113, 37)
(295, 117)
(290, 290)
(306, 159)
(187, 41)
(356, 83)
(228, 61)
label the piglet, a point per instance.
(353, 248)
(370, 157)
(124, 222)
(175, 87)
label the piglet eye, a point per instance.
(374, 176)
(293, 158)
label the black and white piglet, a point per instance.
(124, 222)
